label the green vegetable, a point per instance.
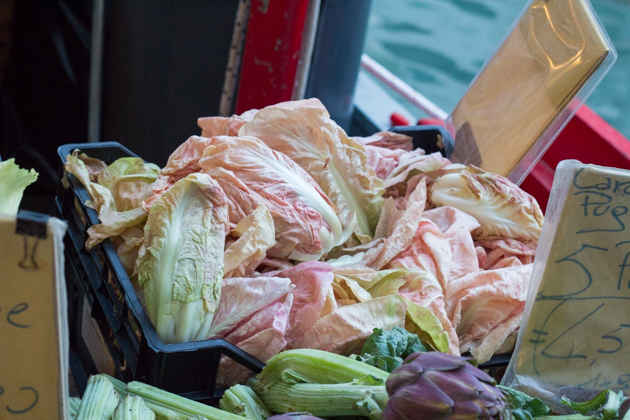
(326, 400)
(520, 401)
(182, 270)
(119, 385)
(241, 400)
(125, 184)
(321, 383)
(162, 411)
(569, 417)
(520, 414)
(75, 403)
(13, 182)
(605, 405)
(314, 366)
(129, 180)
(386, 350)
(181, 407)
(99, 400)
(133, 408)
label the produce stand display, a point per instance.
(100, 289)
(278, 265)
(124, 369)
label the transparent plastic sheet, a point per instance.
(550, 61)
(575, 333)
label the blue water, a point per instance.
(437, 46)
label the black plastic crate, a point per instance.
(98, 286)
(110, 329)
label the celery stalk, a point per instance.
(133, 408)
(242, 400)
(166, 412)
(315, 366)
(119, 385)
(326, 400)
(176, 404)
(75, 403)
(162, 412)
(99, 400)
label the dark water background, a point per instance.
(437, 46)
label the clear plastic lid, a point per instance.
(552, 58)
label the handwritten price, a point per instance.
(595, 263)
(25, 389)
(14, 312)
(599, 382)
(12, 318)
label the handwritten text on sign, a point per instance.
(29, 357)
(13, 320)
(579, 330)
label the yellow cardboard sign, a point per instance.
(33, 324)
(578, 331)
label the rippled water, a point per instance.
(437, 46)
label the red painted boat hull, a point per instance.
(587, 138)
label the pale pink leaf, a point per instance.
(242, 297)
(312, 280)
(345, 330)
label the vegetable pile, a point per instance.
(275, 231)
(13, 182)
(312, 384)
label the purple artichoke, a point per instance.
(435, 386)
(293, 416)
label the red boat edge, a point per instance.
(587, 138)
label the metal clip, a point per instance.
(33, 264)
(31, 224)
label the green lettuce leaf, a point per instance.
(100, 196)
(116, 196)
(429, 327)
(386, 350)
(113, 223)
(129, 180)
(182, 269)
(13, 182)
(424, 298)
